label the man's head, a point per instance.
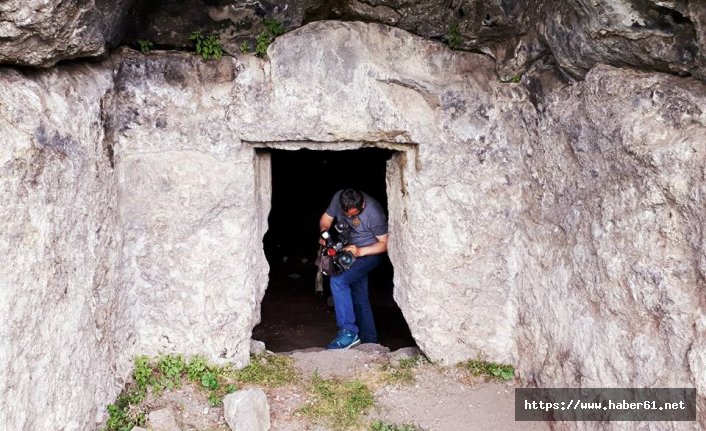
(352, 202)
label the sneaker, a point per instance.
(344, 340)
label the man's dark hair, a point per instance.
(351, 198)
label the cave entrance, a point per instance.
(294, 314)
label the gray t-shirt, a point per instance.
(366, 225)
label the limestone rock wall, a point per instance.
(654, 35)
(42, 33)
(61, 324)
(450, 257)
(651, 35)
(612, 288)
(193, 264)
(196, 241)
(558, 227)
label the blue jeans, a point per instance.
(350, 299)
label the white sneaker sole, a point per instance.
(353, 344)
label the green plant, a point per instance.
(339, 405)
(453, 36)
(214, 400)
(125, 413)
(142, 373)
(267, 370)
(196, 367)
(515, 79)
(171, 368)
(245, 47)
(385, 426)
(145, 45)
(209, 380)
(207, 47)
(273, 28)
(403, 373)
(493, 370)
(157, 375)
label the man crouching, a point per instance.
(368, 241)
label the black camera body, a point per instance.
(336, 239)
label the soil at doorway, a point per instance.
(437, 399)
(294, 316)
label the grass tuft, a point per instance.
(493, 370)
(336, 404)
(385, 426)
(266, 370)
(402, 373)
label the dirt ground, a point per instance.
(438, 398)
(294, 316)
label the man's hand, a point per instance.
(377, 248)
(355, 250)
(324, 225)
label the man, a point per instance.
(368, 241)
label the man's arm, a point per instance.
(325, 222)
(369, 250)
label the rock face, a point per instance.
(643, 34)
(163, 420)
(41, 33)
(667, 36)
(655, 35)
(61, 326)
(614, 221)
(195, 271)
(556, 227)
(247, 410)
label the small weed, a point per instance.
(273, 28)
(516, 79)
(142, 372)
(209, 380)
(384, 426)
(126, 412)
(196, 367)
(453, 36)
(169, 371)
(214, 400)
(478, 367)
(402, 373)
(340, 405)
(207, 47)
(245, 47)
(124, 416)
(145, 45)
(172, 367)
(266, 370)
(166, 372)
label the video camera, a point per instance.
(336, 239)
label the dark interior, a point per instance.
(294, 315)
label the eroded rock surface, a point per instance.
(650, 35)
(195, 271)
(61, 314)
(666, 36)
(42, 33)
(247, 409)
(615, 213)
(556, 227)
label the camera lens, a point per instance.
(346, 259)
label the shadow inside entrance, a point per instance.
(293, 315)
